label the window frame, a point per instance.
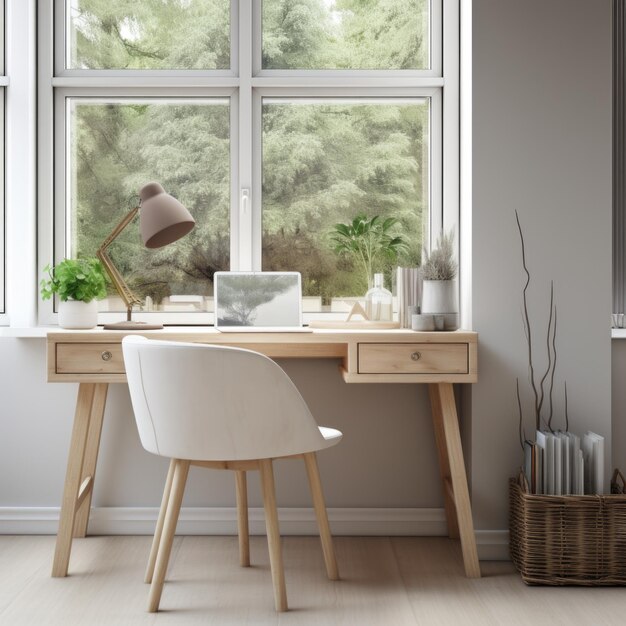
(245, 84)
(619, 155)
(4, 318)
(4, 82)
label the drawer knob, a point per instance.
(106, 356)
(416, 356)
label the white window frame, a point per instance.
(246, 84)
(20, 86)
(4, 82)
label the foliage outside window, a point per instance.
(327, 162)
(149, 34)
(346, 34)
(325, 152)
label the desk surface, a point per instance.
(367, 355)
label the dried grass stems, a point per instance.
(543, 391)
(440, 263)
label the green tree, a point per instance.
(346, 34)
(326, 162)
(150, 34)
(384, 34)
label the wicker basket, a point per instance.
(567, 540)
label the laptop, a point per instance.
(258, 302)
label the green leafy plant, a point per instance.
(75, 279)
(440, 263)
(368, 241)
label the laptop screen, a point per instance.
(257, 299)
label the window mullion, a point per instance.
(242, 231)
(450, 134)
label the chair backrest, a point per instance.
(207, 402)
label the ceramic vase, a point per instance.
(439, 297)
(76, 314)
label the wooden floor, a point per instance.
(385, 582)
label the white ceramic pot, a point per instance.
(77, 314)
(439, 298)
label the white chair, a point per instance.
(222, 408)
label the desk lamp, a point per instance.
(162, 220)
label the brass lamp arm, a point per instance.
(129, 298)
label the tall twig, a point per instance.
(522, 434)
(527, 322)
(549, 368)
(553, 371)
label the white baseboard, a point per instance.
(493, 545)
(223, 521)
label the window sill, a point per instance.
(35, 332)
(618, 333)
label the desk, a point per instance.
(94, 359)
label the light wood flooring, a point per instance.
(385, 582)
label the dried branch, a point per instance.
(549, 368)
(527, 323)
(553, 371)
(522, 434)
(524, 325)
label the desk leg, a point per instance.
(91, 457)
(444, 463)
(82, 455)
(452, 465)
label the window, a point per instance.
(325, 159)
(271, 120)
(3, 85)
(117, 144)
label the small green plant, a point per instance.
(368, 241)
(440, 263)
(75, 279)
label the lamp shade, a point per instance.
(162, 219)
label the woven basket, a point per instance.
(567, 540)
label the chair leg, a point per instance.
(181, 470)
(273, 534)
(326, 538)
(242, 518)
(159, 526)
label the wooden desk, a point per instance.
(94, 359)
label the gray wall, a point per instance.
(541, 145)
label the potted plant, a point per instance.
(78, 283)
(367, 242)
(439, 293)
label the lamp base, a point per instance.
(131, 325)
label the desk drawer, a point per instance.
(413, 358)
(89, 358)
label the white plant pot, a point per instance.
(439, 298)
(76, 314)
